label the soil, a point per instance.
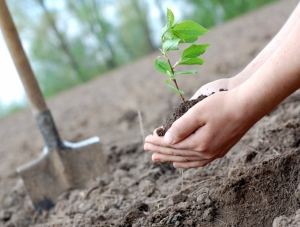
(256, 184)
(178, 112)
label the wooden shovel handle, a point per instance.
(34, 94)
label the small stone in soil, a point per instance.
(179, 198)
(132, 215)
(176, 217)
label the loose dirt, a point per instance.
(256, 184)
(178, 112)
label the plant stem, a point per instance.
(174, 80)
(178, 89)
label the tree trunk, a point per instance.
(145, 26)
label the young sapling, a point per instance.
(173, 34)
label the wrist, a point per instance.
(237, 80)
(245, 74)
(251, 104)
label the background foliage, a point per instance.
(70, 42)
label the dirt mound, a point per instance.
(255, 184)
(251, 189)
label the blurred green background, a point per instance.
(70, 42)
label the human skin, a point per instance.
(253, 66)
(213, 126)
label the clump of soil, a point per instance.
(179, 111)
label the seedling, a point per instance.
(172, 35)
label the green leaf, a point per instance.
(162, 66)
(164, 30)
(194, 51)
(173, 88)
(191, 61)
(186, 72)
(189, 28)
(167, 34)
(169, 73)
(188, 39)
(170, 18)
(170, 44)
(171, 76)
(185, 38)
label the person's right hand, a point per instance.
(205, 132)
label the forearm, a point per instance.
(267, 52)
(276, 79)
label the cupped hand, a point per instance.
(206, 132)
(215, 86)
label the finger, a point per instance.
(157, 140)
(157, 157)
(200, 142)
(197, 94)
(169, 151)
(193, 142)
(192, 164)
(205, 90)
(184, 126)
(212, 87)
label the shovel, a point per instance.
(62, 165)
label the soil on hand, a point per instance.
(256, 184)
(178, 112)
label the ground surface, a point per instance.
(255, 184)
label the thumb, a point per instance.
(184, 126)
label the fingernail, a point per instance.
(168, 138)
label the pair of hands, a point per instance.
(206, 132)
(211, 127)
